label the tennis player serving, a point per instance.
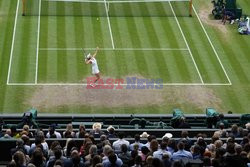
(90, 59)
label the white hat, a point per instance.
(89, 56)
(168, 135)
(110, 127)
(97, 125)
(144, 135)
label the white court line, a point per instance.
(13, 42)
(118, 49)
(210, 42)
(110, 30)
(38, 38)
(84, 84)
(177, 21)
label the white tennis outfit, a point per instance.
(95, 69)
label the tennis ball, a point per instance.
(97, 18)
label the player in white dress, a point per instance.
(90, 59)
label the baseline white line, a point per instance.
(84, 84)
(185, 40)
(118, 49)
(38, 38)
(110, 30)
(210, 42)
(13, 42)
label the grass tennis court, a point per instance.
(201, 65)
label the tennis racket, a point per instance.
(84, 54)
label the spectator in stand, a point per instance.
(248, 127)
(134, 154)
(183, 124)
(41, 140)
(125, 155)
(19, 159)
(184, 136)
(14, 132)
(244, 141)
(172, 146)
(149, 138)
(162, 151)
(137, 142)
(52, 132)
(234, 131)
(85, 146)
(107, 149)
(92, 153)
(54, 145)
(202, 144)
(19, 147)
(96, 132)
(221, 132)
(26, 129)
(70, 143)
(111, 132)
(166, 160)
(26, 141)
(138, 161)
(195, 150)
(57, 156)
(75, 160)
(117, 144)
(181, 153)
(97, 159)
(154, 145)
(157, 163)
(7, 134)
(207, 162)
(37, 158)
(112, 161)
(69, 133)
(222, 120)
(231, 158)
(144, 152)
(81, 132)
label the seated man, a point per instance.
(228, 15)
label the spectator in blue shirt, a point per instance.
(112, 161)
(181, 153)
(137, 142)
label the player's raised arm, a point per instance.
(87, 61)
(94, 55)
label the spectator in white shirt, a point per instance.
(53, 132)
(160, 152)
(117, 144)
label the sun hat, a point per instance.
(110, 127)
(89, 56)
(144, 135)
(97, 125)
(168, 135)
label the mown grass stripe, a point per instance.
(8, 9)
(134, 38)
(119, 28)
(197, 44)
(213, 68)
(236, 65)
(43, 55)
(61, 43)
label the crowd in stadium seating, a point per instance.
(92, 153)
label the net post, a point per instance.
(190, 7)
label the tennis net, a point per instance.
(114, 8)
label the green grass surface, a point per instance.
(141, 49)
